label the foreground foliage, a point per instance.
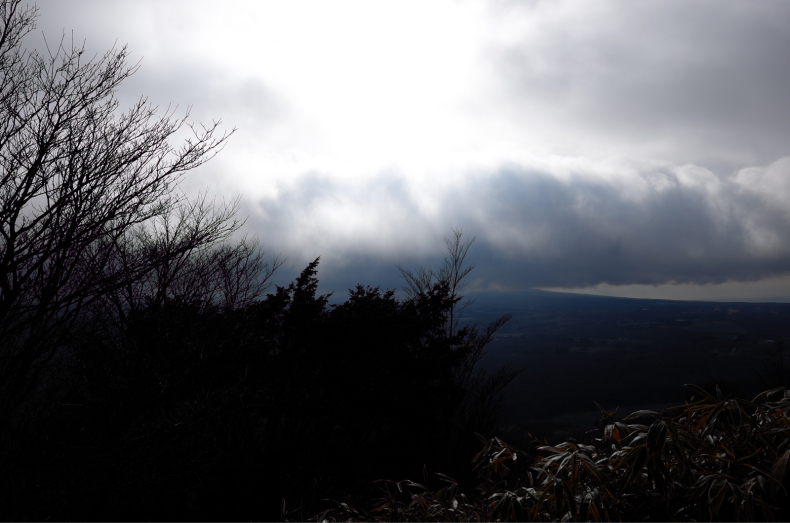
(714, 458)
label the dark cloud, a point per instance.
(588, 232)
(695, 82)
(536, 230)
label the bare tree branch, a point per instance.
(89, 214)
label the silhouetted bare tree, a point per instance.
(90, 215)
(483, 391)
(453, 272)
(197, 264)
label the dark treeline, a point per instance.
(144, 372)
(192, 411)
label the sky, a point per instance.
(636, 149)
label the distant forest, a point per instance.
(150, 369)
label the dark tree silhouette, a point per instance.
(195, 411)
(482, 400)
(91, 224)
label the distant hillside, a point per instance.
(625, 352)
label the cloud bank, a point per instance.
(534, 228)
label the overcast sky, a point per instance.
(624, 148)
